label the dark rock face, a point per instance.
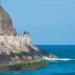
(6, 25)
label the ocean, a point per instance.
(64, 67)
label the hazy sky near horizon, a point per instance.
(48, 21)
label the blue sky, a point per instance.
(49, 21)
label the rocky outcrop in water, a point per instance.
(10, 40)
(15, 47)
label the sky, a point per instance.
(50, 22)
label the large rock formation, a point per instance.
(10, 39)
(6, 25)
(12, 43)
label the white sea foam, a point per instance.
(57, 59)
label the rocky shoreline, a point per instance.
(23, 65)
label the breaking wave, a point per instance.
(58, 59)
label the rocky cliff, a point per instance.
(14, 47)
(10, 39)
(6, 25)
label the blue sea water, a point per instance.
(54, 68)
